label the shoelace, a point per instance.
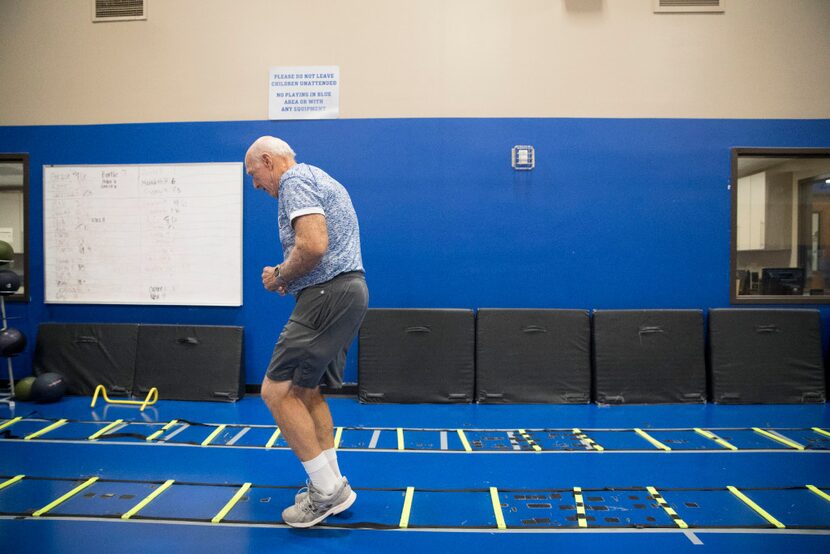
(306, 505)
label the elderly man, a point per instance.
(323, 269)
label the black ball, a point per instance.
(49, 387)
(9, 281)
(12, 342)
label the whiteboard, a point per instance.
(143, 234)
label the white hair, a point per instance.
(271, 145)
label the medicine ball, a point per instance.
(9, 281)
(23, 389)
(12, 342)
(49, 387)
(6, 252)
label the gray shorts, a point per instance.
(312, 347)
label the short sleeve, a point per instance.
(300, 198)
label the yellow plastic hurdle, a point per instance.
(153, 393)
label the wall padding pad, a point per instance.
(190, 362)
(88, 355)
(417, 356)
(541, 356)
(649, 356)
(765, 356)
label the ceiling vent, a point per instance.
(689, 6)
(118, 10)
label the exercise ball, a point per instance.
(9, 281)
(12, 342)
(6, 252)
(49, 387)
(23, 389)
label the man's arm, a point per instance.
(311, 243)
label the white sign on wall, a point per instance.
(304, 92)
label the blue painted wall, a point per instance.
(619, 213)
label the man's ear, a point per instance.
(267, 161)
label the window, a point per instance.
(780, 226)
(14, 224)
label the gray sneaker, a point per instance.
(314, 507)
(303, 492)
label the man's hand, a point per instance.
(272, 282)
(312, 242)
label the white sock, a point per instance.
(321, 475)
(331, 456)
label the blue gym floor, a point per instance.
(452, 503)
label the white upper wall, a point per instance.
(208, 60)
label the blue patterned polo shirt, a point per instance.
(305, 189)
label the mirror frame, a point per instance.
(23, 158)
(733, 256)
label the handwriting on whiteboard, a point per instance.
(143, 234)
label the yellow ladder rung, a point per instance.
(652, 440)
(816, 429)
(591, 441)
(529, 440)
(815, 489)
(115, 423)
(400, 439)
(231, 503)
(580, 507)
(337, 436)
(273, 438)
(65, 497)
(494, 497)
(407, 507)
(782, 440)
(213, 435)
(464, 441)
(149, 498)
(668, 509)
(718, 440)
(763, 513)
(162, 430)
(46, 429)
(10, 422)
(11, 481)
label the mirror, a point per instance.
(14, 224)
(780, 226)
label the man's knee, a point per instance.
(274, 392)
(277, 391)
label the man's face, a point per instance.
(261, 171)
